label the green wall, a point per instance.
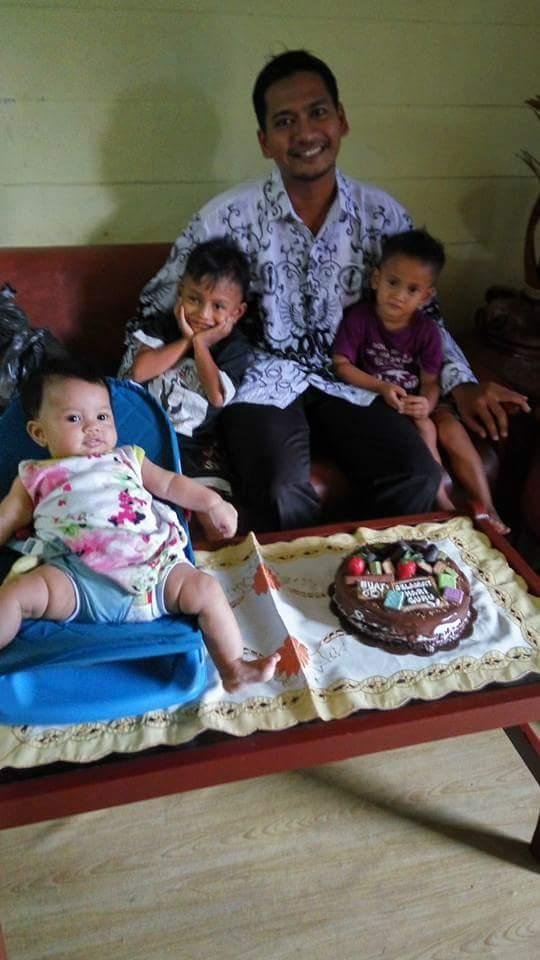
(118, 118)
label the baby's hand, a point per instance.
(416, 407)
(393, 395)
(223, 518)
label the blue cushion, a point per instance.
(78, 672)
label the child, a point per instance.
(194, 360)
(110, 551)
(394, 349)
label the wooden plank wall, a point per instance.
(120, 117)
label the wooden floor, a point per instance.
(419, 853)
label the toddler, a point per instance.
(393, 348)
(193, 360)
(112, 550)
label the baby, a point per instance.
(394, 349)
(112, 550)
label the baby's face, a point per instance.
(75, 419)
(209, 304)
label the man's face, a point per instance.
(303, 127)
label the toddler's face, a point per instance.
(75, 419)
(208, 304)
(402, 285)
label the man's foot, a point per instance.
(240, 673)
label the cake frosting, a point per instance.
(406, 596)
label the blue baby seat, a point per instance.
(77, 672)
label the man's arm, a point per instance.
(480, 405)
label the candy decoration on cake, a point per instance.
(406, 596)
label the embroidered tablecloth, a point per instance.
(279, 593)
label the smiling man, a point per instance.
(313, 237)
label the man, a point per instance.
(313, 236)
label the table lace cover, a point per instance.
(279, 593)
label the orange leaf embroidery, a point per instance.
(265, 579)
(294, 656)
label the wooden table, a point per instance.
(59, 790)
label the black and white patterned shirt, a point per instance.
(302, 282)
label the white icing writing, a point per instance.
(420, 593)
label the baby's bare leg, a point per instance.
(191, 591)
(428, 432)
(44, 593)
(466, 462)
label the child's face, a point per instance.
(75, 419)
(402, 285)
(208, 304)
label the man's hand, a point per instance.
(416, 407)
(480, 406)
(393, 395)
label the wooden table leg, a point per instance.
(535, 842)
(3, 954)
(527, 743)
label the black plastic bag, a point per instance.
(22, 348)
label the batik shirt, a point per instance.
(303, 282)
(99, 509)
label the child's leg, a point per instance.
(466, 462)
(428, 432)
(191, 591)
(44, 593)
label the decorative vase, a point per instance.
(531, 259)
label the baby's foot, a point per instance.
(491, 515)
(240, 672)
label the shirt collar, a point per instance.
(346, 200)
(279, 206)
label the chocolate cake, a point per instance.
(406, 596)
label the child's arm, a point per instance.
(187, 493)
(149, 362)
(391, 392)
(16, 511)
(430, 389)
(420, 406)
(207, 368)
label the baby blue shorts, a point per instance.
(101, 600)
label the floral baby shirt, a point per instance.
(99, 509)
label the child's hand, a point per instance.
(183, 325)
(416, 407)
(223, 518)
(393, 395)
(216, 333)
